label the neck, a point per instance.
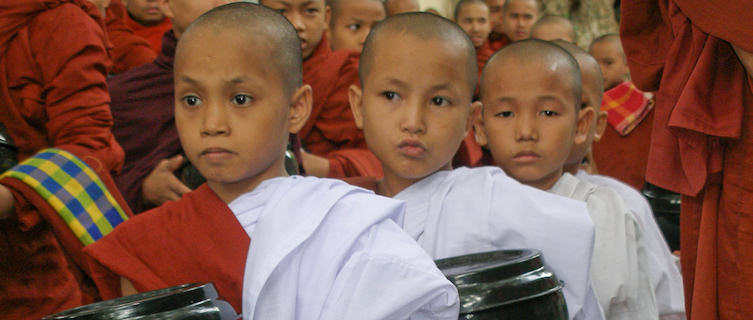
(229, 191)
(572, 168)
(546, 182)
(393, 184)
(146, 23)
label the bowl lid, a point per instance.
(492, 279)
(142, 303)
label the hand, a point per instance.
(315, 165)
(161, 185)
(6, 203)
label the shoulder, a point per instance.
(69, 19)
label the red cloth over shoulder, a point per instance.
(152, 34)
(625, 157)
(128, 49)
(331, 126)
(195, 239)
(699, 80)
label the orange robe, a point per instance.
(128, 49)
(625, 157)
(702, 139)
(498, 41)
(152, 34)
(331, 131)
(52, 94)
(154, 251)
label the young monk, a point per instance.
(551, 27)
(128, 49)
(664, 274)
(238, 95)
(415, 110)
(393, 7)
(142, 107)
(351, 21)
(334, 146)
(622, 152)
(518, 16)
(497, 37)
(531, 92)
(147, 21)
(60, 197)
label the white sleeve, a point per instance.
(390, 277)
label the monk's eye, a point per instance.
(504, 114)
(440, 101)
(549, 113)
(354, 27)
(311, 11)
(391, 95)
(242, 99)
(191, 100)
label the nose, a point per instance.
(526, 129)
(413, 120)
(215, 120)
(362, 37)
(296, 20)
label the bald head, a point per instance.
(259, 27)
(394, 7)
(592, 80)
(610, 38)
(551, 27)
(419, 26)
(537, 51)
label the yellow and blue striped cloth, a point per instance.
(72, 189)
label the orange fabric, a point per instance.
(626, 107)
(195, 239)
(128, 49)
(152, 34)
(331, 126)
(702, 139)
(52, 94)
(625, 157)
(469, 154)
(482, 56)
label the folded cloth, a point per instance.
(626, 106)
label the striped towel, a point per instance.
(626, 107)
(73, 190)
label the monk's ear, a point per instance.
(166, 8)
(355, 96)
(601, 125)
(474, 113)
(327, 15)
(479, 131)
(300, 108)
(584, 124)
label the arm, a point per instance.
(746, 58)
(6, 203)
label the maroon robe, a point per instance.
(702, 139)
(194, 239)
(143, 111)
(53, 64)
(128, 50)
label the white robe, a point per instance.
(665, 276)
(619, 269)
(322, 249)
(463, 211)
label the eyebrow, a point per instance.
(189, 80)
(237, 80)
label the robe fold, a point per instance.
(344, 256)
(665, 276)
(52, 94)
(128, 49)
(143, 112)
(702, 139)
(625, 158)
(464, 211)
(152, 34)
(619, 268)
(331, 126)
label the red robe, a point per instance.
(331, 126)
(152, 34)
(702, 139)
(128, 49)
(625, 157)
(52, 93)
(498, 41)
(195, 239)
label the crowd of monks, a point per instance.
(417, 137)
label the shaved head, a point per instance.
(608, 38)
(257, 26)
(551, 27)
(421, 26)
(335, 6)
(461, 3)
(592, 80)
(540, 51)
(394, 7)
